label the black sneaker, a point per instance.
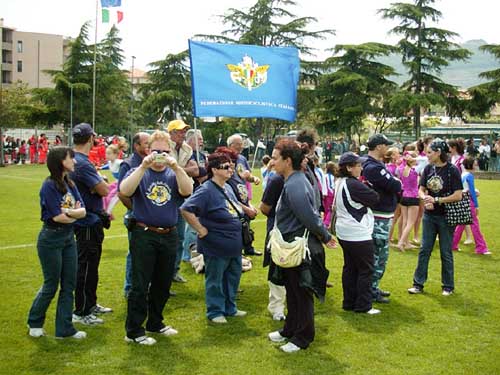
(384, 293)
(381, 299)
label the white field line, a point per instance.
(22, 246)
(21, 178)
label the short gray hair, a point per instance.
(191, 133)
(232, 138)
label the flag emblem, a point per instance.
(248, 74)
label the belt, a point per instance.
(159, 230)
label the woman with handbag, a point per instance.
(215, 214)
(354, 228)
(440, 184)
(297, 213)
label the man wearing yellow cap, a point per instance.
(182, 152)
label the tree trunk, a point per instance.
(416, 122)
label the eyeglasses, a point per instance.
(161, 151)
(225, 167)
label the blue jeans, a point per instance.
(58, 258)
(222, 279)
(190, 237)
(181, 228)
(432, 226)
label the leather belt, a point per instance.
(159, 230)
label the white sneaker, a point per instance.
(276, 337)
(36, 332)
(279, 316)
(447, 292)
(468, 242)
(219, 319)
(290, 347)
(373, 312)
(78, 335)
(167, 331)
(142, 340)
(88, 320)
(240, 313)
(415, 290)
(98, 309)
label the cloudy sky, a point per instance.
(153, 28)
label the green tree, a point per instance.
(486, 95)
(426, 49)
(168, 92)
(356, 87)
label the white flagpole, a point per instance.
(95, 60)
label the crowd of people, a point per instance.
(178, 199)
(34, 149)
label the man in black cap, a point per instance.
(388, 187)
(89, 230)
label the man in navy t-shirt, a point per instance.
(89, 230)
(241, 175)
(155, 188)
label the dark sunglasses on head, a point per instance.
(225, 167)
(161, 151)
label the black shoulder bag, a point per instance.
(246, 232)
(459, 212)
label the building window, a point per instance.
(19, 46)
(19, 66)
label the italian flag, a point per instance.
(116, 15)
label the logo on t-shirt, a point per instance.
(158, 193)
(243, 192)
(68, 201)
(231, 209)
(435, 184)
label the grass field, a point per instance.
(422, 334)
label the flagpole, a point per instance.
(196, 141)
(95, 60)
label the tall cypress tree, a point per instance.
(426, 49)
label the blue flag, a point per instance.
(111, 3)
(237, 80)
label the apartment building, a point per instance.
(25, 56)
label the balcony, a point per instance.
(7, 66)
(7, 46)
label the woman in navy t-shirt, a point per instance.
(214, 213)
(61, 206)
(440, 183)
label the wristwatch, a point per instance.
(436, 200)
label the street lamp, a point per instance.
(131, 102)
(70, 141)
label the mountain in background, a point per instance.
(463, 74)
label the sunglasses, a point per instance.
(225, 167)
(161, 151)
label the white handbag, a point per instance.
(288, 254)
